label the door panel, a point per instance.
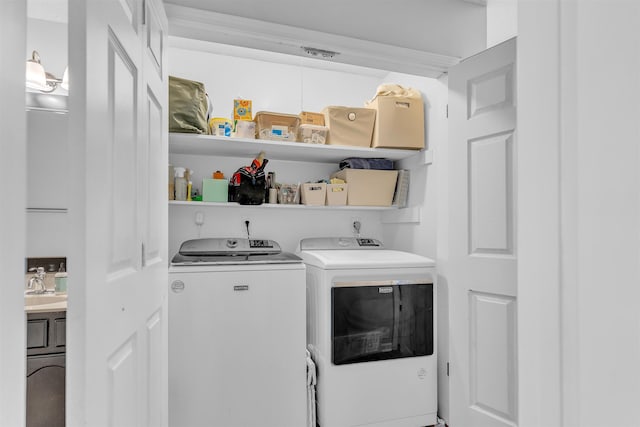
(491, 195)
(155, 350)
(492, 352)
(122, 101)
(122, 393)
(482, 244)
(491, 91)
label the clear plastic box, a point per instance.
(312, 134)
(277, 126)
(289, 194)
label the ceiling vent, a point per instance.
(321, 53)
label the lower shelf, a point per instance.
(280, 206)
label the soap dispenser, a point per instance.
(60, 279)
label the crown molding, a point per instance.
(190, 23)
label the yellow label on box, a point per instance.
(242, 109)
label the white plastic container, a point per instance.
(314, 193)
(181, 184)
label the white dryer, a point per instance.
(371, 332)
(237, 353)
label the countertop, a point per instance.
(41, 305)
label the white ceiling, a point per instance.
(422, 37)
(455, 28)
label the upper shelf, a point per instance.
(186, 143)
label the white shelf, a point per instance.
(280, 206)
(209, 145)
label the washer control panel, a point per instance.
(228, 246)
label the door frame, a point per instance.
(13, 163)
(542, 36)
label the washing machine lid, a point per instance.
(340, 259)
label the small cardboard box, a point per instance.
(309, 118)
(349, 125)
(337, 194)
(314, 193)
(399, 121)
(368, 187)
(242, 109)
(215, 190)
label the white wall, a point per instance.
(502, 21)
(47, 231)
(284, 86)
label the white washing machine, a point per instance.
(371, 332)
(237, 348)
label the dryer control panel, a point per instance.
(341, 243)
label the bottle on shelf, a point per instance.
(181, 184)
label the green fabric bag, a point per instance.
(188, 106)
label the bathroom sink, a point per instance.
(45, 302)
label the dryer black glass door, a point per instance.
(380, 320)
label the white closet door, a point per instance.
(482, 268)
(117, 315)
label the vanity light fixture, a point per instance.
(39, 79)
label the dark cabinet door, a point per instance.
(46, 391)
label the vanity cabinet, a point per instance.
(46, 369)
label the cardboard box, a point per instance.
(337, 194)
(277, 126)
(309, 118)
(349, 125)
(215, 190)
(399, 122)
(314, 193)
(368, 187)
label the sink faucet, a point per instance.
(36, 283)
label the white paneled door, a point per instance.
(117, 316)
(482, 258)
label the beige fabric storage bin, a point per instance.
(399, 118)
(337, 194)
(368, 187)
(349, 125)
(314, 193)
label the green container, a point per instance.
(215, 190)
(60, 280)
